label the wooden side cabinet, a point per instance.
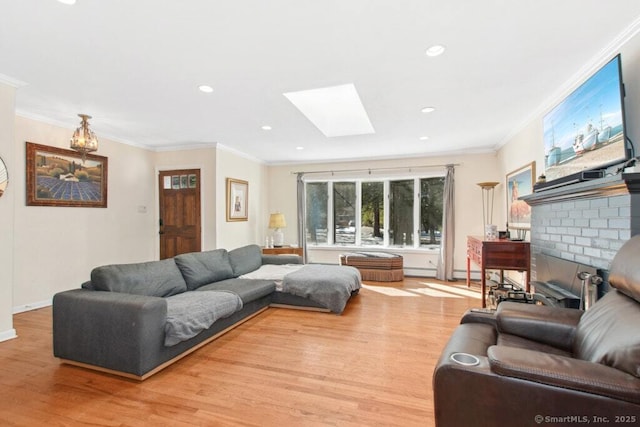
(283, 250)
(498, 254)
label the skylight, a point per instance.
(335, 110)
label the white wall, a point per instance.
(527, 145)
(7, 203)
(216, 164)
(55, 248)
(471, 169)
(46, 250)
(253, 231)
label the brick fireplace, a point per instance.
(585, 222)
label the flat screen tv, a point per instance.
(586, 131)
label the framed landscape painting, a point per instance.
(237, 199)
(59, 177)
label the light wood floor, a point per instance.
(371, 366)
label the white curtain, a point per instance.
(444, 269)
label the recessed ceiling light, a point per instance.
(299, 148)
(428, 109)
(266, 127)
(435, 50)
(424, 138)
(205, 88)
(67, 1)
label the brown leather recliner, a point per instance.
(541, 365)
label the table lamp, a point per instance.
(277, 222)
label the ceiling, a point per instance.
(135, 66)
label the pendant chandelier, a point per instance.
(84, 140)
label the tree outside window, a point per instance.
(431, 193)
(344, 213)
(355, 210)
(372, 214)
(317, 198)
(401, 213)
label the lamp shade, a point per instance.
(276, 220)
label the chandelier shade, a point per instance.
(84, 140)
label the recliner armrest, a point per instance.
(554, 326)
(565, 372)
(479, 315)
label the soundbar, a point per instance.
(569, 179)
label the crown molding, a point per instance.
(7, 80)
(605, 55)
(240, 153)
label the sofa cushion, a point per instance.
(154, 278)
(248, 289)
(245, 259)
(608, 333)
(190, 313)
(200, 268)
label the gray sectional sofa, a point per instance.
(135, 319)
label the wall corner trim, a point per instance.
(8, 335)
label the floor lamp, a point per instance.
(490, 230)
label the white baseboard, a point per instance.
(431, 272)
(31, 306)
(419, 272)
(8, 335)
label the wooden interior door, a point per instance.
(179, 212)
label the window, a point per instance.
(431, 193)
(372, 213)
(382, 213)
(401, 213)
(317, 209)
(344, 213)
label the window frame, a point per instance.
(386, 204)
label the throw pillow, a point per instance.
(154, 278)
(202, 268)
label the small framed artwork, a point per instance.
(519, 183)
(59, 177)
(237, 199)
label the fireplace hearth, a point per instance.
(560, 282)
(584, 223)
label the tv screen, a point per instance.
(586, 130)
